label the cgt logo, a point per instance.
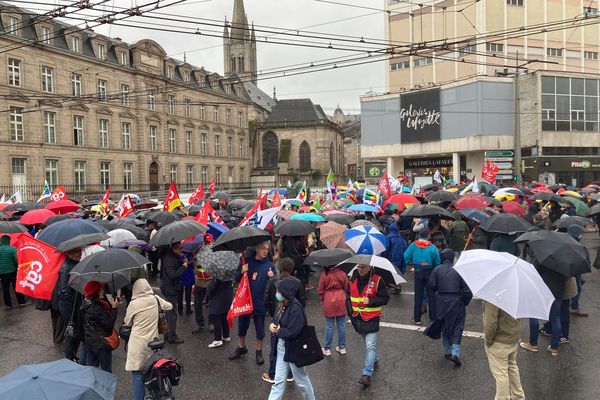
(581, 164)
(33, 268)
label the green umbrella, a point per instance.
(581, 208)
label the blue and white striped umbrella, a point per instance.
(366, 240)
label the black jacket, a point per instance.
(271, 300)
(172, 269)
(96, 322)
(291, 319)
(381, 299)
(66, 293)
(219, 295)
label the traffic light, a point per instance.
(522, 166)
(515, 178)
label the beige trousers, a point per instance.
(502, 359)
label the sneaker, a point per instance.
(216, 343)
(578, 312)
(564, 340)
(238, 353)
(342, 351)
(326, 352)
(290, 379)
(529, 347)
(7, 308)
(259, 357)
(265, 377)
(227, 339)
(552, 351)
(416, 322)
(542, 332)
(456, 361)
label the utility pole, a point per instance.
(517, 140)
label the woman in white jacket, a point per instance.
(142, 315)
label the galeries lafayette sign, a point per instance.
(420, 116)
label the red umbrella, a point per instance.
(62, 206)
(33, 217)
(512, 207)
(475, 201)
(401, 199)
(539, 189)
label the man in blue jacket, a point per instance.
(259, 269)
(424, 257)
(396, 247)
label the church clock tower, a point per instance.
(239, 45)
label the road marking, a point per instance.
(478, 335)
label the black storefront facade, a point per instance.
(570, 170)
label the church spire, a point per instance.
(239, 45)
(239, 24)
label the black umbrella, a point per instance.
(505, 223)
(241, 237)
(564, 223)
(557, 251)
(595, 210)
(5, 216)
(493, 201)
(220, 195)
(136, 230)
(427, 211)
(80, 241)
(294, 227)
(23, 207)
(238, 203)
(546, 196)
(162, 217)
(176, 232)
(60, 217)
(344, 219)
(111, 266)
(128, 221)
(12, 227)
(441, 196)
(328, 257)
(474, 214)
(193, 209)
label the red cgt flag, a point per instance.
(242, 301)
(58, 194)
(172, 200)
(384, 186)
(104, 201)
(126, 207)
(38, 267)
(276, 202)
(489, 170)
(197, 195)
(211, 188)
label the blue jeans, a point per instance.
(281, 373)
(452, 349)
(575, 300)
(341, 328)
(273, 358)
(554, 320)
(371, 355)
(139, 391)
(101, 358)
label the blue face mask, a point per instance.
(279, 296)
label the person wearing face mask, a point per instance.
(287, 324)
(365, 297)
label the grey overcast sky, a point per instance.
(341, 86)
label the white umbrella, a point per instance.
(365, 240)
(381, 266)
(506, 281)
(117, 236)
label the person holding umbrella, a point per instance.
(173, 266)
(365, 297)
(69, 302)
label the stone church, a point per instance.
(297, 140)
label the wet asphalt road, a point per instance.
(411, 366)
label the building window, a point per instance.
(186, 76)
(127, 176)
(241, 66)
(230, 175)
(202, 112)
(173, 173)
(124, 95)
(203, 143)
(188, 142)
(590, 10)
(216, 113)
(78, 135)
(590, 55)
(49, 127)
(241, 119)
(494, 47)
(52, 172)
(189, 176)
(45, 37)
(104, 173)
(514, 2)
(171, 104)
(466, 50)
(172, 140)
(16, 124)
(400, 65)
(18, 166)
(102, 89)
(101, 51)
(188, 108)
(204, 175)
(570, 104)
(13, 25)
(47, 81)
(241, 148)
(103, 125)
(126, 134)
(79, 176)
(152, 136)
(76, 44)
(229, 147)
(554, 52)
(228, 116)
(218, 175)
(14, 72)
(76, 85)
(217, 145)
(124, 59)
(422, 62)
(242, 174)
(170, 72)
(152, 100)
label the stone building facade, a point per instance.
(84, 110)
